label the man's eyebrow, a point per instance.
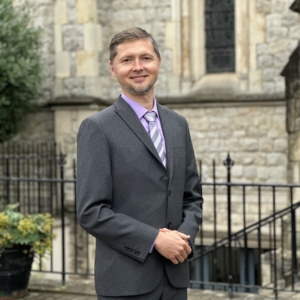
(148, 54)
(133, 55)
(126, 56)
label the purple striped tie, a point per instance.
(155, 136)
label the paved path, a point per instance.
(84, 290)
(193, 295)
(56, 296)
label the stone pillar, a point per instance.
(292, 77)
(173, 42)
(78, 45)
(291, 72)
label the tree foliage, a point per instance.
(20, 67)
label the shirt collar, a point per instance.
(139, 109)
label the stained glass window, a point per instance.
(220, 41)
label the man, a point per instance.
(138, 190)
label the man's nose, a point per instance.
(138, 65)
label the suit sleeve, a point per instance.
(94, 196)
(192, 198)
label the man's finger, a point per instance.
(174, 261)
(182, 235)
(180, 259)
(187, 249)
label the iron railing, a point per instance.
(247, 242)
(256, 245)
(25, 164)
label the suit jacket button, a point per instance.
(169, 225)
(170, 193)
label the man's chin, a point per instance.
(139, 91)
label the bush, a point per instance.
(34, 230)
(20, 68)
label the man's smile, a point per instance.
(139, 78)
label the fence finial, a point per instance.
(228, 162)
(62, 159)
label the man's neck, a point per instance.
(146, 101)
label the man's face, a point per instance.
(136, 67)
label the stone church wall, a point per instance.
(255, 136)
(38, 127)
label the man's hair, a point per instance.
(131, 34)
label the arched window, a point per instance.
(220, 41)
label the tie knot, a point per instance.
(150, 116)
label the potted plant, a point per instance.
(21, 237)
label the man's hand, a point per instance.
(181, 234)
(173, 245)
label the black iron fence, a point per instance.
(248, 240)
(31, 169)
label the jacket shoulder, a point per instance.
(103, 115)
(172, 113)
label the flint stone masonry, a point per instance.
(282, 34)
(72, 37)
(254, 135)
(38, 127)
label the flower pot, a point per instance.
(15, 267)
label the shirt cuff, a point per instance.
(151, 249)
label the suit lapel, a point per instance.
(130, 118)
(166, 123)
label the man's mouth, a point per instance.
(138, 78)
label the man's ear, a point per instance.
(112, 69)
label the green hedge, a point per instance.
(20, 68)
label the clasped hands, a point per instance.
(173, 245)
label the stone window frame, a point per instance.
(189, 15)
(198, 40)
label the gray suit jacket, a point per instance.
(125, 194)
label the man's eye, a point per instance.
(126, 60)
